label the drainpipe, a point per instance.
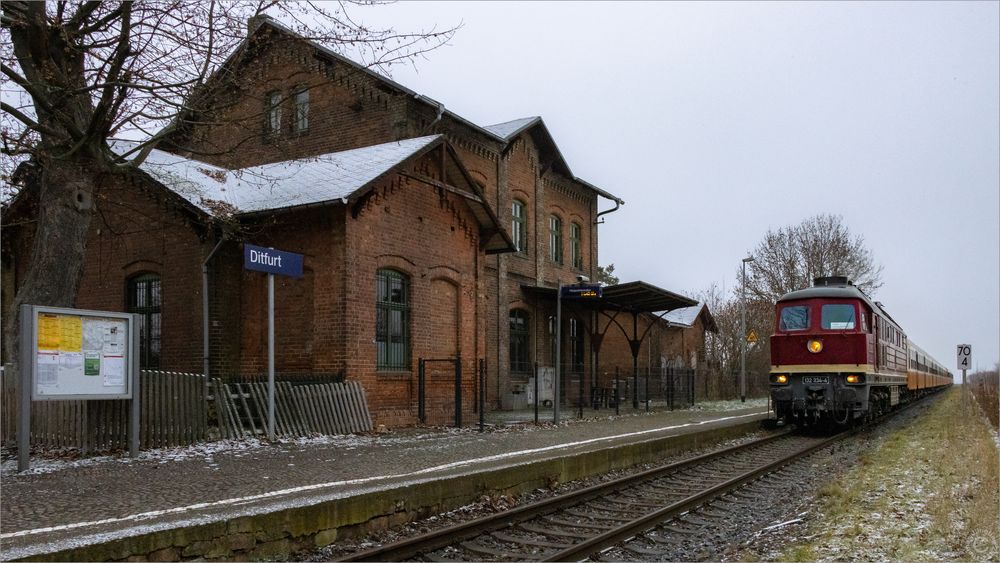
(618, 203)
(204, 309)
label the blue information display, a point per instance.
(272, 261)
(582, 291)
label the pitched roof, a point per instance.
(340, 177)
(509, 129)
(688, 315)
(281, 185)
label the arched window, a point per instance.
(145, 299)
(520, 337)
(392, 320)
(555, 239)
(519, 226)
(575, 246)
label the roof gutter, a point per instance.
(611, 197)
(618, 203)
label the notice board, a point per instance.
(79, 354)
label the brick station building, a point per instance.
(423, 235)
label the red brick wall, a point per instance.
(431, 236)
(305, 308)
(676, 344)
(348, 108)
(138, 230)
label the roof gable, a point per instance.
(341, 177)
(506, 132)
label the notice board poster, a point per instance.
(81, 354)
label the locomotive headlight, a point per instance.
(815, 346)
(782, 378)
(855, 379)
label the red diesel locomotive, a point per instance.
(837, 356)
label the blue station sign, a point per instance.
(271, 261)
(582, 291)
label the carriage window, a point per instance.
(838, 317)
(795, 318)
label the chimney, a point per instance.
(255, 22)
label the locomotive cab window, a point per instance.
(795, 318)
(838, 316)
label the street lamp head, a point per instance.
(749, 259)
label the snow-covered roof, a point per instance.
(686, 316)
(509, 128)
(280, 185)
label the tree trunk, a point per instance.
(66, 196)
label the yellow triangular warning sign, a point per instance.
(752, 337)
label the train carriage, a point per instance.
(837, 356)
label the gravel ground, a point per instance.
(925, 489)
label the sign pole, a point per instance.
(555, 398)
(270, 357)
(25, 369)
(133, 363)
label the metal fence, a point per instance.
(666, 387)
(173, 412)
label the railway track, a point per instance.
(583, 523)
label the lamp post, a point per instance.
(743, 333)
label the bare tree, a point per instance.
(785, 260)
(723, 348)
(78, 73)
(788, 259)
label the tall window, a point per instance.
(145, 298)
(300, 116)
(392, 320)
(520, 334)
(519, 226)
(576, 250)
(272, 113)
(555, 239)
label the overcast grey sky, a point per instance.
(717, 121)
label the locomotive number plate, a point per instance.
(816, 379)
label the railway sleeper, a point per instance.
(552, 533)
(479, 549)
(505, 537)
(589, 525)
(610, 517)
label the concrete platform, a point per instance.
(254, 500)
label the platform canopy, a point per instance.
(632, 297)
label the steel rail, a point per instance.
(444, 537)
(615, 536)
